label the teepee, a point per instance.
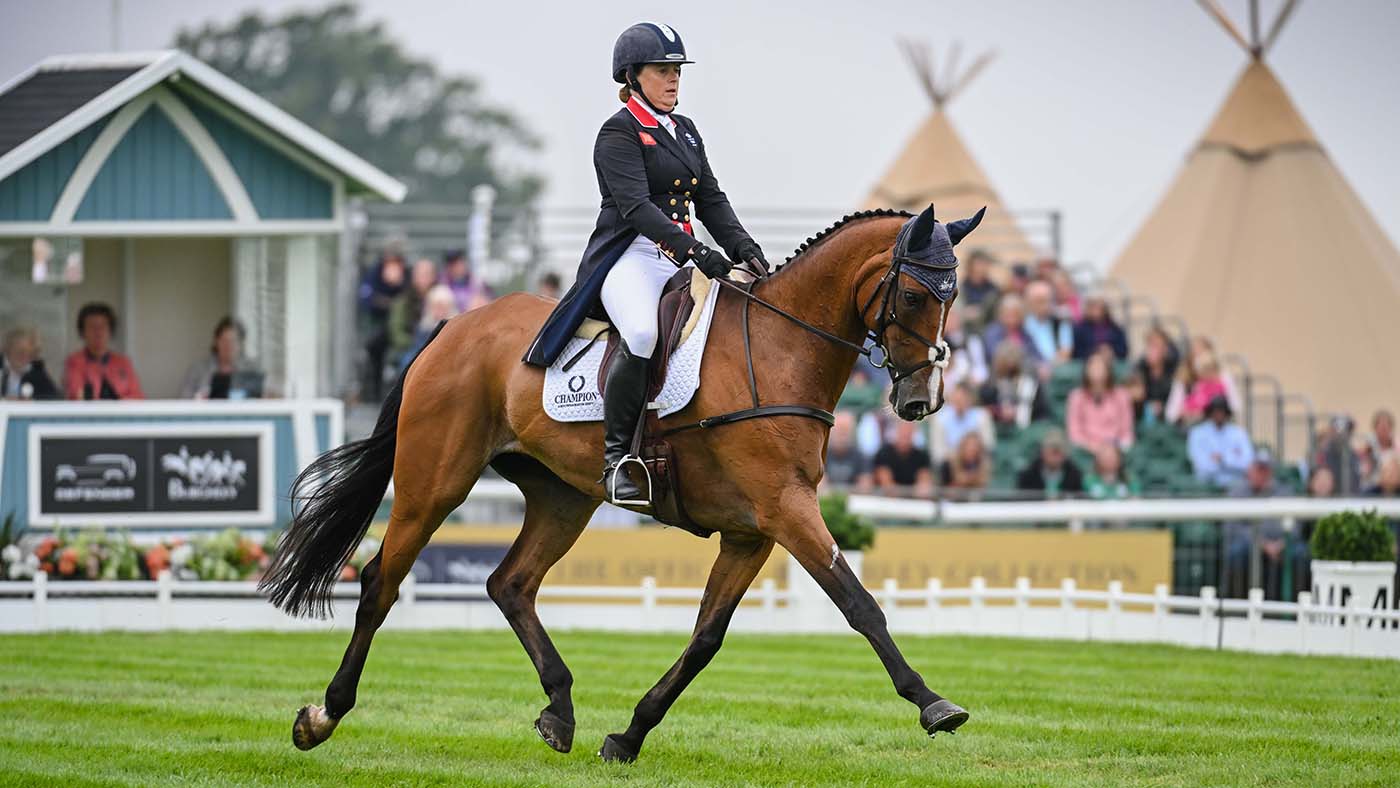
(936, 167)
(1262, 245)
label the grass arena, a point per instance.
(454, 708)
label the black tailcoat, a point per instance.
(652, 185)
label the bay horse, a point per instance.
(466, 402)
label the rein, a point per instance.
(938, 351)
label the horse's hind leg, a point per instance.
(555, 515)
(738, 564)
(428, 485)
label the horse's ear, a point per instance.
(958, 230)
(922, 229)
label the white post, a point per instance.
(1304, 621)
(41, 601)
(768, 590)
(301, 331)
(888, 596)
(1076, 526)
(1159, 611)
(1254, 614)
(1067, 588)
(1023, 590)
(978, 602)
(648, 603)
(1358, 608)
(933, 591)
(1115, 605)
(165, 598)
(1207, 608)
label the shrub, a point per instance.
(1353, 536)
(851, 531)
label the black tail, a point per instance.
(333, 502)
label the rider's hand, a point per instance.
(710, 261)
(750, 253)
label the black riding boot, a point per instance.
(623, 399)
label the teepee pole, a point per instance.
(1218, 13)
(970, 74)
(1277, 26)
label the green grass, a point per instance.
(455, 708)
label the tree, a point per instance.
(349, 80)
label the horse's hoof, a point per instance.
(942, 716)
(555, 731)
(312, 727)
(614, 750)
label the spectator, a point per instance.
(1334, 450)
(1051, 337)
(970, 467)
(22, 373)
(900, 468)
(1068, 303)
(407, 310)
(1009, 328)
(863, 391)
(1097, 330)
(977, 292)
(1099, 412)
(1108, 481)
(549, 285)
(96, 371)
(1018, 279)
(1321, 484)
(442, 305)
(379, 287)
(1258, 482)
(1206, 384)
(847, 468)
(1052, 472)
(969, 361)
(468, 290)
(958, 417)
(1201, 362)
(1012, 395)
(1387, 479)
(224, 373)
(1220, 450)
(1157, 368)
(1382, 437)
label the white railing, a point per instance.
(1067, 612)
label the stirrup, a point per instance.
(617, 470)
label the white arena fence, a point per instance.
(1067, 612)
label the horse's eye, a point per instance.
(911, 298)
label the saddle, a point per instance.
(658, 473)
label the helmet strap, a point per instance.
(637, 91)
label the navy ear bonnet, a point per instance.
(924, 250)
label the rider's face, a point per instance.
(661, 82)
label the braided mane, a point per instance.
(842, 222)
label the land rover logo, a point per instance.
(576, 383)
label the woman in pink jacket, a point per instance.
(1099, 412)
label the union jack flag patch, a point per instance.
(647, 139)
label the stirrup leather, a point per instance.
(617, 469)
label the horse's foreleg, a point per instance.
(555, 515)
(800, 530)
(734, 570)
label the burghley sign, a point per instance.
(149, 474)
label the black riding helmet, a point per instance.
(646, 42)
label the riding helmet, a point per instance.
(646, 42)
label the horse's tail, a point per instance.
(334, 500)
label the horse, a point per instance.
(466, 402)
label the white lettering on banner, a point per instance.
(177, 490)
(69, 494)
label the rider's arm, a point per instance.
(714, 210)
(618, 156)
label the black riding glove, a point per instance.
(710, 262)
(750, 253)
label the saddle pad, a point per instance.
(573, 395)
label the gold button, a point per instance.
(678, 181)
(673, 200)
(687, 218)
(687, 194)
(693, 181)
(673, 216)
(687, 202)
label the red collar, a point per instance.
(642, 114)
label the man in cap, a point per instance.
(1052, 472)
(1220, 450)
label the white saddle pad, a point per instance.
(573, 395)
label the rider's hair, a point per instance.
(624, 94)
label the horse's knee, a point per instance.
(506, 589)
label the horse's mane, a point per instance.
(842, 222)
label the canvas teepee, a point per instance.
(935, 167)
(1261, 244)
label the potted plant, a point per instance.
(1353, 558)
(852, 533)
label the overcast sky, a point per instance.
(1090, 106)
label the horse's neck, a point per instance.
(825, 289)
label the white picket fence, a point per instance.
(1067, 612)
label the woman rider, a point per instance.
(654, 176)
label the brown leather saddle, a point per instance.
(658, 472)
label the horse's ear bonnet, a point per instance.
(924, 250)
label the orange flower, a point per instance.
(157, 559)
(347, 573)
(45, 548)
(68, 561)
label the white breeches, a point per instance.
(632, 291)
